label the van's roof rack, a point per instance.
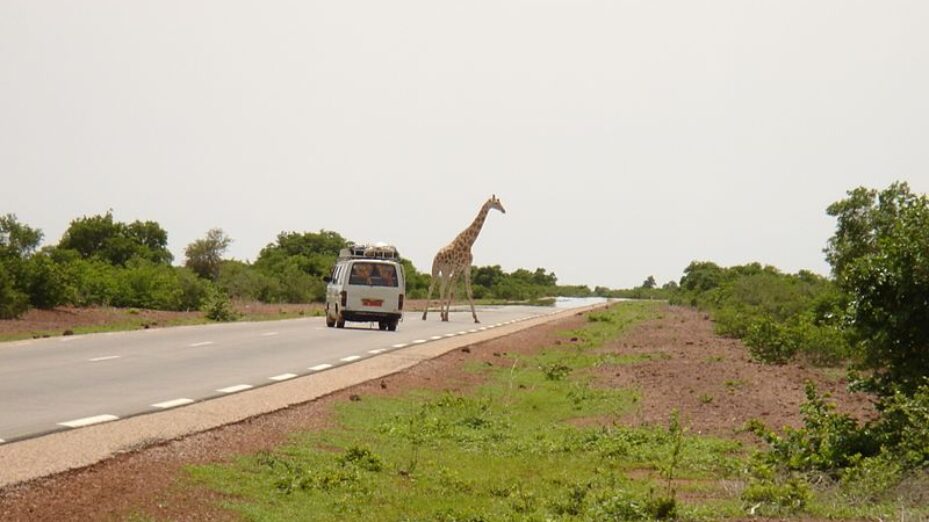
(369, 250)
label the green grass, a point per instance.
(505, 451)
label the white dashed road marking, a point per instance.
(106, 358)
(204, 343)
(350, 358)
(269, 334)
(283, 377)
(375, 352)
(462, 332)
(320, 367)
(418, 341)
(401, 345)
(236, 388)
(434, 337)
(172, 404)
(87, 421)
(450, 335)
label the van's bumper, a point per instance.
(362, 315)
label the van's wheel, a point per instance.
(392, 325)
(382, 325)
(330, 322)
(340, 322)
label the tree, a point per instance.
(17, 240)
(17, 244)
(880, 258)
(204, 256)
(650, 283)
(116, 243)
(313, 253)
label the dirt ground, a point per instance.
(708, 379)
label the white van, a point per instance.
(366, 285)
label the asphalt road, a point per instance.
(49, 385)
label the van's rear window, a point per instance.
(373, 274)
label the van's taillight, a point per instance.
(344, 295)
(400, 303)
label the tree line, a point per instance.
(100, 261)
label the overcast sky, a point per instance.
(625, 138)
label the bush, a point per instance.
(13, 303)
(778, 316)
(903, 428)
(242, 281)
(769, 341)
(828, 441)
(768, 495)
(46, 283)
(193, 289)
(218, 307)
(867, 460)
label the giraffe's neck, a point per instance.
(469, 235)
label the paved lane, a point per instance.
(63, 383)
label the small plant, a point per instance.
(555, 371)
(362, 458)
(767, 496)
(734, 384)
(706, 398)
(573, 502)
(665, 507)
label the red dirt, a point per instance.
(712, 381)
(689, 362)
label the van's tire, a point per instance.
(330, 322)
(382, 325)
(340, 322)
(392, 325)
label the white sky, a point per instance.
(625, 138)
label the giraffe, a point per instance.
(453, 261)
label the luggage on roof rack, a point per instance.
(376, 251)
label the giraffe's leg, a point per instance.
(467, 278)
(453, 284)
(435, 275)
(443, 292)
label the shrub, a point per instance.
(243, 281)
(769, 341)
(217, 307)
(828, 441)
(45, 281)
(13, 303)
(767, 495)
(361, 458)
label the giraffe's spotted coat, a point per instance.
(454, 261)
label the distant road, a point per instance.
(48, 385)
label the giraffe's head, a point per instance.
(493, 202)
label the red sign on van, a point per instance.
(372, 302)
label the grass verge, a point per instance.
(505, 451)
